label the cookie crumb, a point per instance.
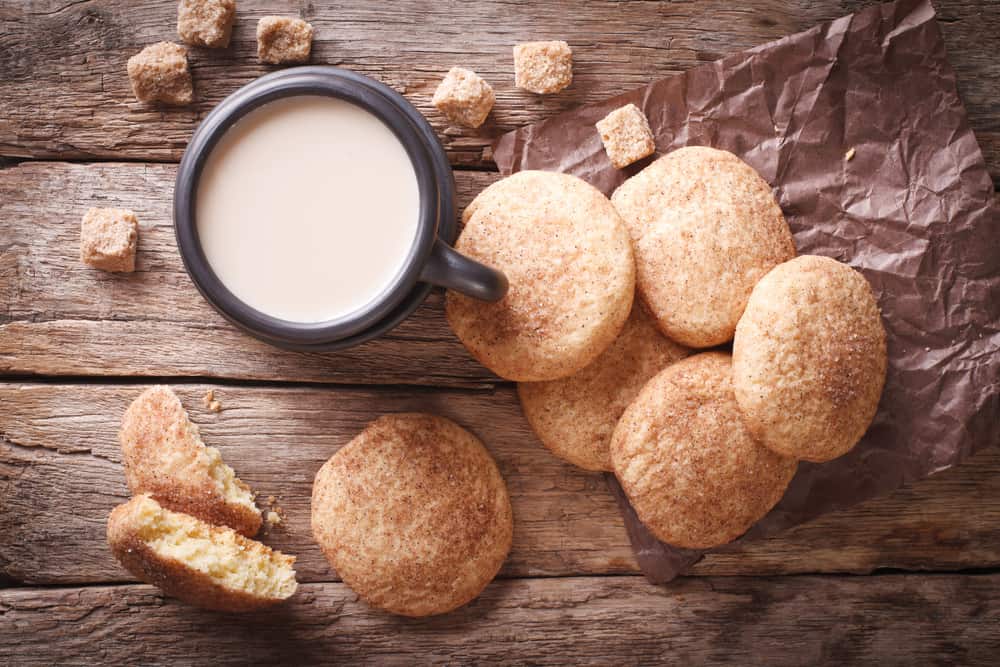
(274, 515)
(215, 406)
(208, 398)
(849, 155)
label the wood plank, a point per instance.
(60, 317)
(60, 475)
(64, 92)
(899, 619)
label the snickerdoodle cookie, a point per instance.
(686, 462)
(209, 566)
(567, 255)
(413, 514)
(574, 417)
(706, 228)
(165, 457)
(809, 359)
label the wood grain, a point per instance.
(64, 92)
(60, 317)
(60, 475)
(899, 619)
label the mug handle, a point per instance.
(448, 268)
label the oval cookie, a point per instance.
(574, 417)
(413, 514)
(567, 255)
(706, 228)
(809, 359)
(689, 467)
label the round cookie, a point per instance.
(809, 359)
(574, 417)
(413, 514)
(706, 228)
(567, 255)
(689, 467)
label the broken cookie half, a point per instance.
(165, 457)
(213, 567)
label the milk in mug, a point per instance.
(307, 208)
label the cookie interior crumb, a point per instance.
(275, 515)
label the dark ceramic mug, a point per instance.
(430, 261)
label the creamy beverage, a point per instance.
(307, 208)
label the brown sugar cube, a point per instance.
(282, 39)
(543, 67)
(464, 97)
(107, 239)
(626, 135)
(206, 22)
(159, 73)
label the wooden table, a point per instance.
(910, 577)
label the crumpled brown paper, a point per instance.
(914, 210)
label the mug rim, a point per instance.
(436, 207)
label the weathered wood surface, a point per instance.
(63, 473)
(60, 475)
(60, 317)
(562, 596)
(68, 96)
(895, 619)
